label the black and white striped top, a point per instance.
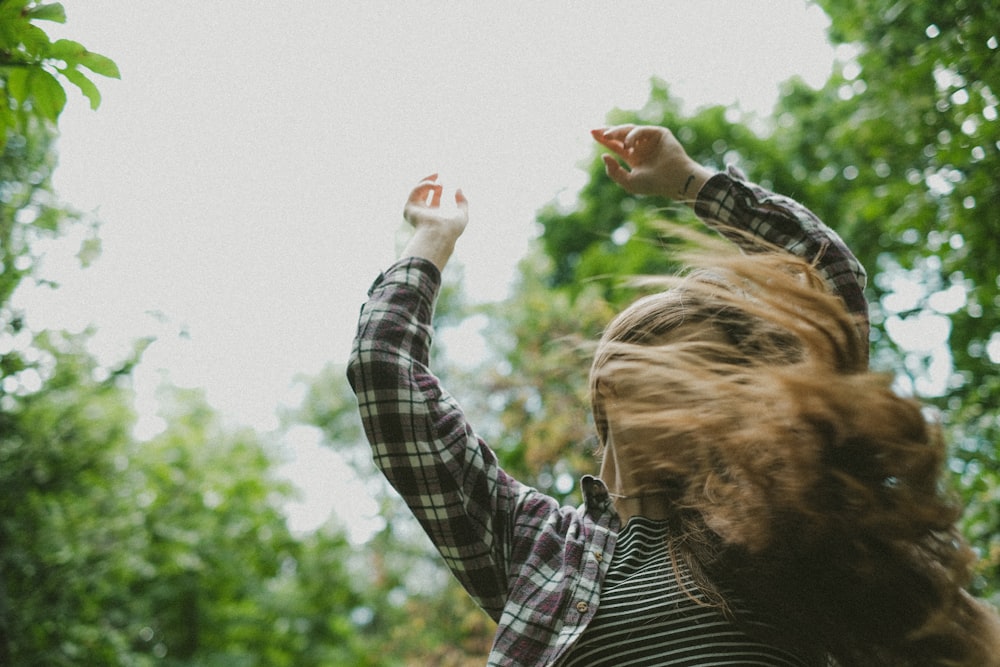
(647, 618)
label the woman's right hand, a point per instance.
(657, 163)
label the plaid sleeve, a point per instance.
(420, 438)
(728, 202)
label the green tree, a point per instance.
(402, 606)
(917, 153)
(173, 550)
(897, 152)
(213, 547)
(115, 551)
(125, 552)
(60, 414)
(63, 529)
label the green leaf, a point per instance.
(17, 84)
(7, 122)
(86, 86)
(47, 94)
(68, 50)
(36, 41)
(11, 20)
(90, 250)
(99, 64)
(75, 53)
(54, 12)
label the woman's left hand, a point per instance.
(435, 229)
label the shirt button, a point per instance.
(598, 556)
(582, 607)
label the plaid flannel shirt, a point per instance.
(535, 567)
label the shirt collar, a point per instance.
(596, 498)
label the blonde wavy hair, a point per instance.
(800, 483)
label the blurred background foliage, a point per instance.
(898, 152)
(174, 550)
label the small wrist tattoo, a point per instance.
(687, 184)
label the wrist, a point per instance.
(431, 244)
(689, 181)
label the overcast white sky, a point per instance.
(251, 165)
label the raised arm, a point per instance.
(420, 437)
(657, 164)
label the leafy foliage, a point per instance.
(913, 142)
(30, 64)
(115, 551)
(413, 611)
(897, 151)
(173, 550)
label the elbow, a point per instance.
(356, 363)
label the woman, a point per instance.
(762, 499)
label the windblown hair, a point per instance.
(802, 487)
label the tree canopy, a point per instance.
(897, 152)
(174, 550)
(117, 551)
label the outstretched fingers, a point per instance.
(613, 138)
(621, 138)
